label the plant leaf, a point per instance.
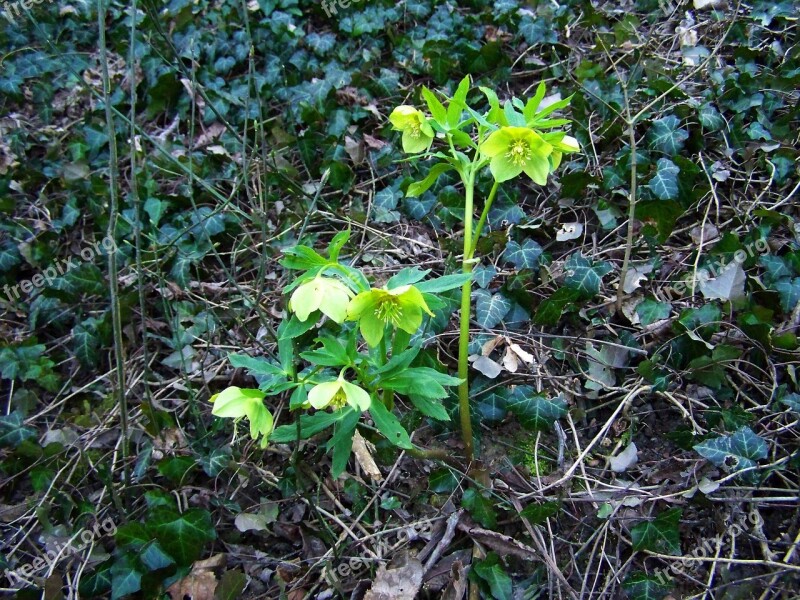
(659, 535)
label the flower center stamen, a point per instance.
(339, 400)
(519, 153)
(389, 311)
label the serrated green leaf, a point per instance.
(389, 425)
(659, 535)
(480, 507)
(309, 425)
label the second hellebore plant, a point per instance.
(517, 138)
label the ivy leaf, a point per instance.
(667, 136)
(550, 310)
(491, 308)
(442, 481)
(659, 535)
(125, 579)
(664, 183)
(641, 587)
(535, 411)
(525, 256)
(86, 343)
(583, 275)
(491, 571)
(483, 275)
(710, 118)
(182, 535)
(650, 311)
(480, 507)
(735, 452)
(12, 430)
(215, 462)
(792, 401)
(789, 292)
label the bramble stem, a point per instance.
(463, 339)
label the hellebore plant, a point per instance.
(325, 369)
(517, 138)
(321, 364)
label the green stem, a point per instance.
(482, 221)
(463, 340)
(388, 395)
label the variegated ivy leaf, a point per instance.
(535, 412)
(583, 275)
(650, 311)
(483, 275)
(641, 587)
(525, 256)
(735, 452)
(789, 291)
(792, 401)
(12, 430)
(490, 308)
(664, 183)
(667, 136)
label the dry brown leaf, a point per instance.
(399, 583)
(364, 457)
(198, 585)
(493, 343)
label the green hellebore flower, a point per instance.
(517, 149)
(417, 132)
(327, 294)
(337, 393)
(400, 307)
(235, 403)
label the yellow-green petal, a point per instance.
(234, 402)
(503, 169)
(305, 300)
(357, 397)
(371, 328)
(404, 116)
(322, 394)
(414, 144)
(537, 169)
(497, 143)
(335, 299)
(363, 302)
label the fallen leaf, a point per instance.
(198, 585)
(250, 522)
(486, 366)
(488, 347)
(399, 583)
(510, 361)
(625, 459)
(634, 277)
(729, 285)
(569, 231)
(365, 459)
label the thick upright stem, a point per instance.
(463, 340)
